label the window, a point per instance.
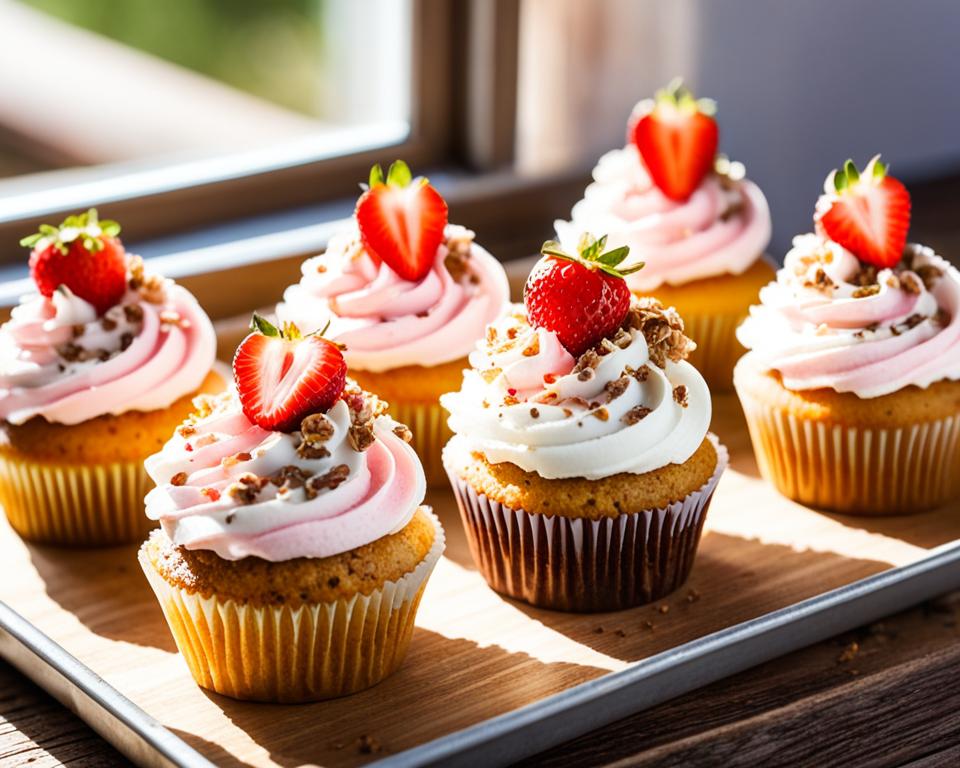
(156, 110)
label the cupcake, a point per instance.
(581, 461)
(408, 295)
(96, 368)
(852, 386)
(699, 227)
(293, 548)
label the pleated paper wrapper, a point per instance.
(428, 422)
(583, 565)
(75, 504)
(717, 349)
(290, 655)
(852, 469)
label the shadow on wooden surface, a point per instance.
(723, 590)
(105, 590)
(386, 718)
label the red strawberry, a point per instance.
(401, 220)
(677, 138)
(83, 254)
(283, 377)
(581, 298)
(867, 213)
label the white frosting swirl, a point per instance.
(722, 228)
(523, 402)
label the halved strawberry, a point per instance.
(401, 220)
(677, 138)
(867, 213)
(83, 254)
(582, 298)
(283, 377)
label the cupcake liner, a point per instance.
(75, 504)
(584, 565)
(856, 470)
(428, 422)
(717, 349)
(281, 654)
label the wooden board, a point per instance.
(474, 655)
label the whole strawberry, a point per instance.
(867, 213)
(582, 298)
(677, 137)
(401, 220)
(282, 377)
(84, 255)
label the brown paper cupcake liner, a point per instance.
(583, 565)
(74, 504)
(856, 470)
(717, 349)
(282, 654)
(428, 422)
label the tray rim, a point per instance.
(517, 734)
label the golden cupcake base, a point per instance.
(711, 309)
(285, 654)
(413, 393)
(75, 504)
(891, 455)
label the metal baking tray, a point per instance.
(520, 733)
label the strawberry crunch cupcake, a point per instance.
(581, 460)
(293, 548)
(699, 227)
(852, 386)
(408, 295)
(96, 368)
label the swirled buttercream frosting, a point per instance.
(630, 404)
(61, 361)
(388, 322)
(831, 321)
(346, 478)
(722, 228)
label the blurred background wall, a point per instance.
(801, 86)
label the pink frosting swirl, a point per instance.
(388, 322)
(382, 488)
(723, 227)
(58, 360)
(830, 321)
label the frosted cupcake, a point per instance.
(293, 548)
(408, 295)
(851, 386)
(96, 368)
(697, 224)
(581, 460)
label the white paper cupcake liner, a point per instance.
(283, 654)
(856, 470)
(584, 565)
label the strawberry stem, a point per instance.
(85, 227)
(591, 254)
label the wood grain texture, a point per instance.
(474, 655)
(882, 695)
(37, 731)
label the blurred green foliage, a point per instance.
(270, 48)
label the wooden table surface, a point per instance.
(887, 694)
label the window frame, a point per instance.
(449, 59)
